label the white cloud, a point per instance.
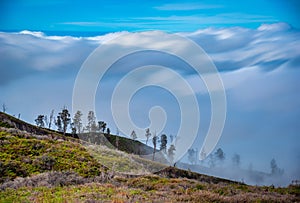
(27, 52)
(235, 48)
(268, 47)
(259, 68)
(274, 27)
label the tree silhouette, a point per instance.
(220, 155)
(46, 120)
(171, 153)
(163, 142)
(51, 118)
(192, 156)
(102, 126)
(65, 119)
(133, 135)
(77, 121)
(40, 121)
(154, 141)
(58, 124)
(275, 170)
(4, 108)
(73, 129)
(236, 160)
(147, 134)
(108, 131)
(91, 126)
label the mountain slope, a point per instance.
(39, 165)
(124, 144)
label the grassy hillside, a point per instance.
(39, 165)
(23, 154)
(124, 144)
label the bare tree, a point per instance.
(154, 141)
(133, 135)
(275, 170)
(46, 120)
(220, 155)
(58, 123)
(171, 153)
(51, 118)
(148, 135)
(4, 108)
(236, 160)
(91, 127)
(77, 121)
(192, 156)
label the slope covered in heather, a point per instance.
(40, 165)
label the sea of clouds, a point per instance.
(259, 68)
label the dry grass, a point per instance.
(150, 188)
(51, 168)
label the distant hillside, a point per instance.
(124, 144)
(249, 176)
(9, 121)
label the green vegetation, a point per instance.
(123, 162)
(146, 189)
(39, 165)
(5, 125)
(22, 155)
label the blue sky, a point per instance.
(133, 15)
(255, 46)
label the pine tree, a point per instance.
(77, 121)
(58, 124)
(91, 127)
(65, 119)
(163, 142)
(101, 126)
(148, 135)
(40, 121)
(171, 153)
(154, 141)
(133, 135)
(51, 118)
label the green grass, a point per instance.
(23, 156)
(5, 125)
(122, 162)
(82, 193)
(68, 171)
(145, 189)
